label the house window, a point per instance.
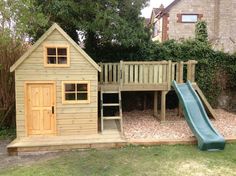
(76, 92)
(56, 56)
(189, 18)
(155, 30)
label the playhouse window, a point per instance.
(76, 92)
(56, 56)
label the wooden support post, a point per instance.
(144, 101)
(180, 110)
(163, 105)
(181, 71)
(155, 104)
(189, 70)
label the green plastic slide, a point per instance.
(197, 119)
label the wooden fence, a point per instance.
(146, 73)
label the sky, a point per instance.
(146, 12)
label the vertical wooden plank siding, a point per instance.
(161, 72)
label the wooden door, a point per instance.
(40, 109)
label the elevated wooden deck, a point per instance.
(156, 76)
(144, 76)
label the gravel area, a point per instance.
(142, 125)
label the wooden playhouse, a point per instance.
(57, 87)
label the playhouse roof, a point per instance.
(43, 37)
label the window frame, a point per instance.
(56, 46)
(184, 14)
(64, 101)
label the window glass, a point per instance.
(70, 96)
(61, 51)
(51, 51)
(189, 18)
(155, 29)
(82, 87)
(76, 92)
(56, 56)
(51, 60)
(82, 96)
(69, 87)
(62, 60)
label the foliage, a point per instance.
(13, 30)
(114, 24)
(184, 160)
(17, 18)
(201, 31)
(7, 133)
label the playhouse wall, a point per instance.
(71, 119)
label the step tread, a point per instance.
(112, 118)
(110, 104)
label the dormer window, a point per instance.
(56, 56)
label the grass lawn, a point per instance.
(159, 160)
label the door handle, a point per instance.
(52, 109)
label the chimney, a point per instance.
(161, 7)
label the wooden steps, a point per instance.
(119, 105)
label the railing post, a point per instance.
(101, 73)
(181, 70)
(121, 73)
(169, 74)
(189, 70)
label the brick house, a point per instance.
(177, 21)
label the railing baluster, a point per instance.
(135, 73)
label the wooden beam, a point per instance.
(155, 103)
(163, 105)
(205, 102)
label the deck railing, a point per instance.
(146, 73)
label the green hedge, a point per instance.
(215, 71)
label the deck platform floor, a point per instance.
(110, 138)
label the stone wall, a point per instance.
(226, 40)
(178, 30)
